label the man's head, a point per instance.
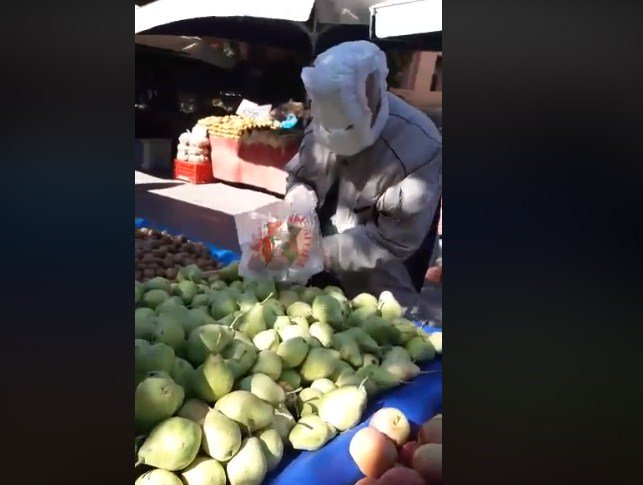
(347, 87)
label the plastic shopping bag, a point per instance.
(281, 241)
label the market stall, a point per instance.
(243, 374)
(182, 401)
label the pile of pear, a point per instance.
(230, 372)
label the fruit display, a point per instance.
(231, 373)
(235, 126)
(248, 131)
(385, 454)
(160, 254)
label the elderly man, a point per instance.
(374, 166)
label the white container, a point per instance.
(154, 154)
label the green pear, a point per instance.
(268, 363)
(382, 331)
(288, 297)
(293, 352)
(271, 310)
(310, 433)
(158, 476)
(222, 304)
(406, 328)
(173, 304)
(365, 300)
(152, 357)
(293, 331)
(264, 388)
(360, 316)
(182, 373)
(187, 290)
(172, 445)
(249, 466)
(322, 332)
(299, 309)
(282, 321)
(240, 357)
(201, 300)
(194, 410)
(206, 340)
(420, 349)
(246, 409)
(283, 421)
(272, 446)
(318, 364)
(323, 385)
(348, 377)
(230, 272)
(340, 366)
(342, 408)
(365, 342)
(204, 471)
(389, 307)
(156, 398)
(153, 298)
(247, 300)
(327, 309)
(436, 339)
(370, 359)
(308, 400)
(289, 380)
(168, 331)
(213, 379)
(261, 287)
(195, 318)
(252, 322)
(157, 283)
(144, 324)
(267, 340)
(221, 436)
(191, 273)
(308, 294)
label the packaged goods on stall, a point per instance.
(280, 241)
(194, 147)
(198, 159)
(246, 389)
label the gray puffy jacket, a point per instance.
(386, 201)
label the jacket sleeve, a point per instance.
(304, 169)
(404, 215)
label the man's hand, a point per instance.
(301, 198)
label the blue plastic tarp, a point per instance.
(419, 400)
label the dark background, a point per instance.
(543, 176)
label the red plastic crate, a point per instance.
(195, 173)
